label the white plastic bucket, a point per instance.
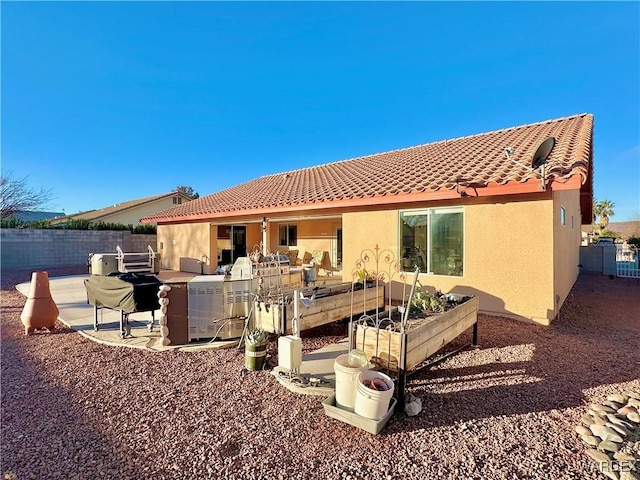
(346, 381)
(373, 404)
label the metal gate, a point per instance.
(627, 261)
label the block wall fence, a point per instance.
(46, 248)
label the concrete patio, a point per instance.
(70, 296)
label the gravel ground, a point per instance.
(74, 409)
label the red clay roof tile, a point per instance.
(432, 167)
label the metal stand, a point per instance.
(125, 328)
(402, 374)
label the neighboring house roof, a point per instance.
(421, 173)
(37, 216)
(97, 215)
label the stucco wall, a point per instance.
(312, 235)
(509, 250)
(508, 254)
(254, 236)
(46, 248)
(134, 215)
(315, 235)
(183, 246)
(365, 231)
(566, 243)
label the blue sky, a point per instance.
(106, 102)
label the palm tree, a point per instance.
(604, 210)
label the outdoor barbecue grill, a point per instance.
(127, 293)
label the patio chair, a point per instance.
(320, 260)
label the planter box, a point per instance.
(383, 346)
(324, 310)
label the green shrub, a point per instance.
(146, 228)
(11, 222)
(75, 224)
(79, 224)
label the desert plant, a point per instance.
(257, 338)
(362, 274)
(604, 210)
(425, 302)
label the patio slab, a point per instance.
(70, 295)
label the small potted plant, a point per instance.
(255, 349)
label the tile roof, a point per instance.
(37, 216)
(406, 173)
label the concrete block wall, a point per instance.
(138, 243)
(47, 248)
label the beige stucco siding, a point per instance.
(365, 231)
(566, 242)
(508, 258)
(518, 258)
(316, 234)
(254, 236)
(133, 215)
(182, 246)
(508, 254)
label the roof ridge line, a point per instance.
(569, 117)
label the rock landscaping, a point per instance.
(611, 432)
(75, 410)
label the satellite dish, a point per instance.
(543, 151)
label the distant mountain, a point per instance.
(625, 229)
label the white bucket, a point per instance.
(373, 404)
(346, 381)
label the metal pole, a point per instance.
(413, 289)
(296, 312)
(402, 373)
(264, 236)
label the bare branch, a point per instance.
(17, 196)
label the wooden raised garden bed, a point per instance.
(390, 349)
(327, 309)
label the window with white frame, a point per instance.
(563, 216)
(433, 240)
(287, 235)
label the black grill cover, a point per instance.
(128, 292)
